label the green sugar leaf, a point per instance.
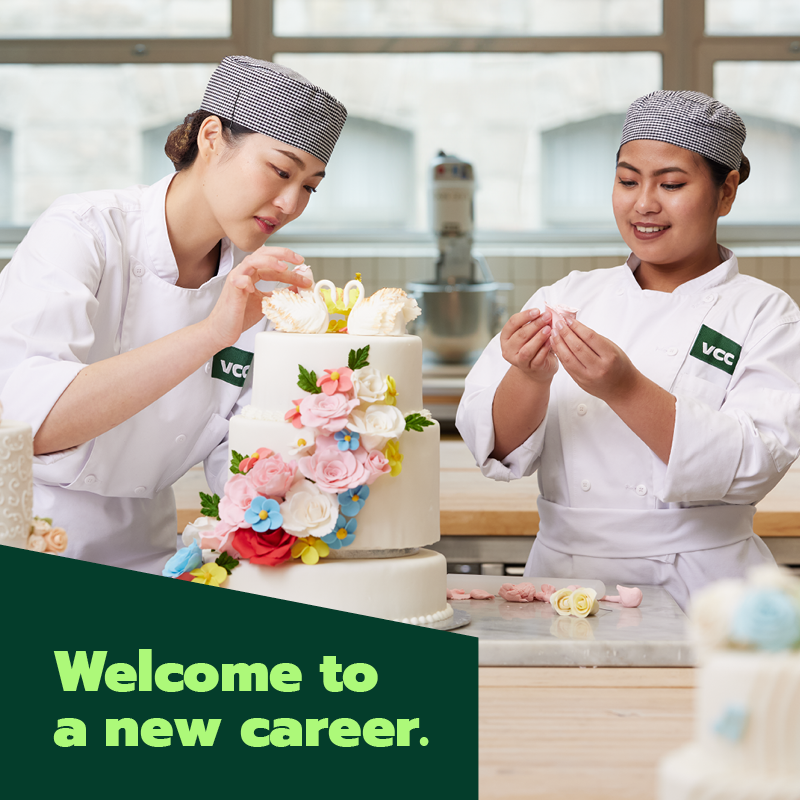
(358, 358)
(209, 505)
(416, 422)
(307, 381)
(236, 459)
(227, 562)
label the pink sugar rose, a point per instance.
(239, 493)
(272, 477)
(221, 539)
(377, 464)
(335, 470)
(327, 412)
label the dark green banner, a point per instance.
(118, 684)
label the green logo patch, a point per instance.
(715, 349)
(231, 365)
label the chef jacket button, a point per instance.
(672, 351)
(140, 489)
(138, 271)
(582, 409)
(586, 485)
(709, 298)
(180, 438)
(90, 479)
(641, 489)
(208, 367)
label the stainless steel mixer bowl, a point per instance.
(458, 320)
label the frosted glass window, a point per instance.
(66, 141)
(114, 18)
(752, 17)
(155, 164)
(580, 154)
(767, 96)
(490, 109)
(6, 187)
(467, 17)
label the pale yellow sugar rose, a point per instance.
(560, 600)
(583, 602)
(37, 542)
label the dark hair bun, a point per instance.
(744, 169)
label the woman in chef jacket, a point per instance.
(670, 406)
(127, 318)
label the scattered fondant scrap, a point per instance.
(457, 594)
(561, 313)
(518, 593)
(628, 597)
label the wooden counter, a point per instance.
(579, 733)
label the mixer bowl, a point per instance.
(458, 320)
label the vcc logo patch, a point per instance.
(715, 349)
(231, 365)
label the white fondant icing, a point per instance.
(16, 483)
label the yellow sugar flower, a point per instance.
(210, 574)
(391, 391)
(335, 325)
(394, 457)
(310, 549)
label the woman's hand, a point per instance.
(525, 344)
(595, 363)
(239, 305)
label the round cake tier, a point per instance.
(401, 511)
(278, 357)
(16, 483)
(406, 589)
(690, 774)
(748, 713)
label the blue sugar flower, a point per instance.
(731, 723)
(346, 439)
(343, 534)
(766, 619)
(352, 501)
(185, 560)
(263, 515)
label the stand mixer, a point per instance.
(460, 309)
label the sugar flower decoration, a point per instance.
(731, 723)
(343, 535)
(210, 574)
(369, 385)
(347, 439)
(394, 457)
(185, 560)
(264, 514)
(308, 511)
(310, 549)
(246, 464)
(352, 501)
(336, 380)
(391, 391)
(293, 414)
(304, 444)
(767, 619)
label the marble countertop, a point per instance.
(533, 635)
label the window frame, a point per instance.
(688, 55)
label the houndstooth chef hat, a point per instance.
(276, 101)
(691, 120)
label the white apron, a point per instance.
(726, 346)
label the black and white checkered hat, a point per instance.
(691, 120)
(276, 101)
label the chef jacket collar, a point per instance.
(161, 259)
(722, 273)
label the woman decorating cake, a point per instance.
(127, 317)
(670, 405)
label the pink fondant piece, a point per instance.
(544, 594)
(629, 597)
(518, 593)
(561, 313)
(481, 594)
(572, 587)
(457, 594)
(610, 598)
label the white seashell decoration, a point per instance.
(299, 312)
(384, 313)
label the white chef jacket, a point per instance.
(95, 277)
(609, 507)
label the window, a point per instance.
(530, 91)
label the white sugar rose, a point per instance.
(377, 425)
(369, 385)
(712, 610)
(583, 602)
(37, 542)
(303, 445)
(560, 601)
(308, 511)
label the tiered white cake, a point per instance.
(747, 709)
(16, 482)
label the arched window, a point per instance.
(578, 163)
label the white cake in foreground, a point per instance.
(746, 744)
(336, 484)
(16, 482)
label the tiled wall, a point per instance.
(527, 273)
